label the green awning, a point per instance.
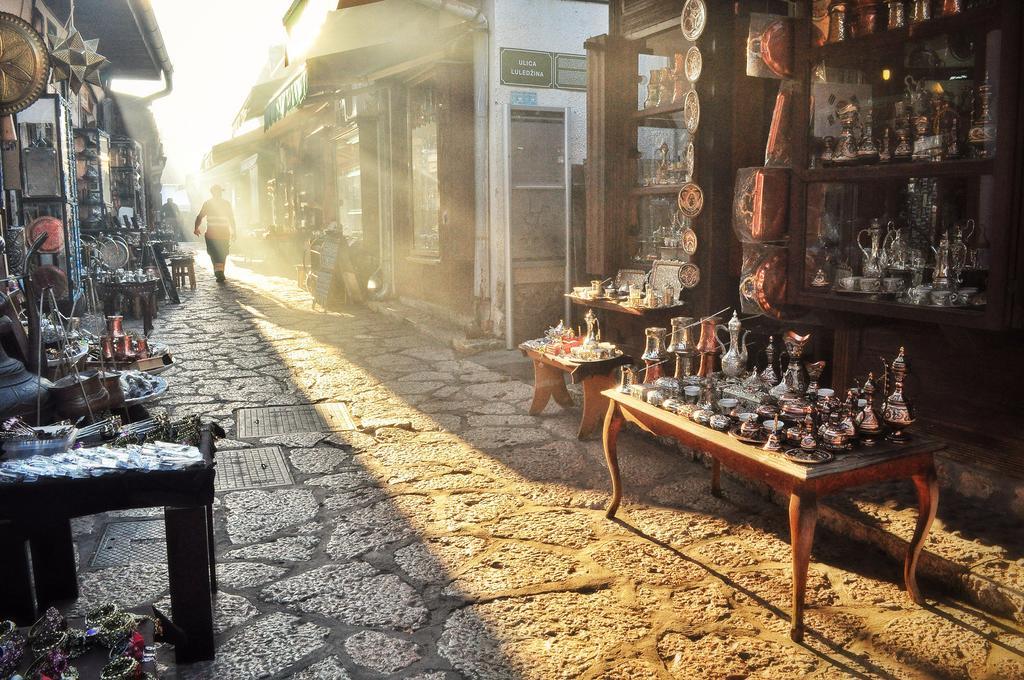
(288, 98)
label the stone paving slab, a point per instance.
(453, 537)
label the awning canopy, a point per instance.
(356, 43)
(242, 145)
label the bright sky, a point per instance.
(217, 48)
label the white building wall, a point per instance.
(548, 26)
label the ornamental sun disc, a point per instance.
(76, 60)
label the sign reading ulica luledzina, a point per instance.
(526, 67)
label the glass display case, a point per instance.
(49, 188)
(92, 172)
(128, 193)
(44, 134)
(666, 118)
(901, 202)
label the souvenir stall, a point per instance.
(871, 201)
(76, 435)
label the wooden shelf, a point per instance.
(658, 111)
(856, 49)
(953, 316)
(877, 171)
(610, 306)
(656, 189)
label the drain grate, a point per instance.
(266, 421)
(126, 542)
(251, 469)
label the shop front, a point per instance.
(801, 227)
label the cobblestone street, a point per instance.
(451, 535)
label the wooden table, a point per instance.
(805, 484)
(34, 520)
(549, 381)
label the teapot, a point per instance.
(874, 258)
(734, 359)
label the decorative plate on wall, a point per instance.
(54, 230)
(691, 200)
(693, 64)
(691, 111)
(689, 275)
(693, 19)
(24, 64)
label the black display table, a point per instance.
(35, 521)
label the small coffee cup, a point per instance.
(848, 283)
(869, 284)
(748, 423)
(940, 298)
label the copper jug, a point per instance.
(115, 326)
(707, 345)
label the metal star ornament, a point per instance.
(76, 60)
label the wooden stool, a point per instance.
(549, 382)
(183, 269)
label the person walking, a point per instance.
(170, 216)
(220, 229)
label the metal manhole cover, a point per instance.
(266, 421)
(126, 542)
(251, 469)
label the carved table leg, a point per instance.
(548, 382)
(612, 424)
(716, 478)
(594, 405)
(803, 515)
(927, 486)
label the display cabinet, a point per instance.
(666, 90)
(905, 148)
(49, 188)
(92, 172)
(128, 189)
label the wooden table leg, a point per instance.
(803, 515)
(548, 382)
(716, 478)
(612, 424)
(18, 601)
(927, 486)
(188, 571)
(53, 564)
(594, 404)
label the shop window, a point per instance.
(426, 208)
(347, 172)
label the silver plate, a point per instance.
(815, 457)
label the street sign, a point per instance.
(526, 67)
(570, 71)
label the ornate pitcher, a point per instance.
(943, 263)
(734, 361)
(795, 376)
(654, 354)
(894, 249)
(874, 258)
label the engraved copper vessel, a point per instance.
(897, 413)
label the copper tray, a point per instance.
(54, 230)
(777, 48)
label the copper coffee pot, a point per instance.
(707, 345)
(896, 412)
